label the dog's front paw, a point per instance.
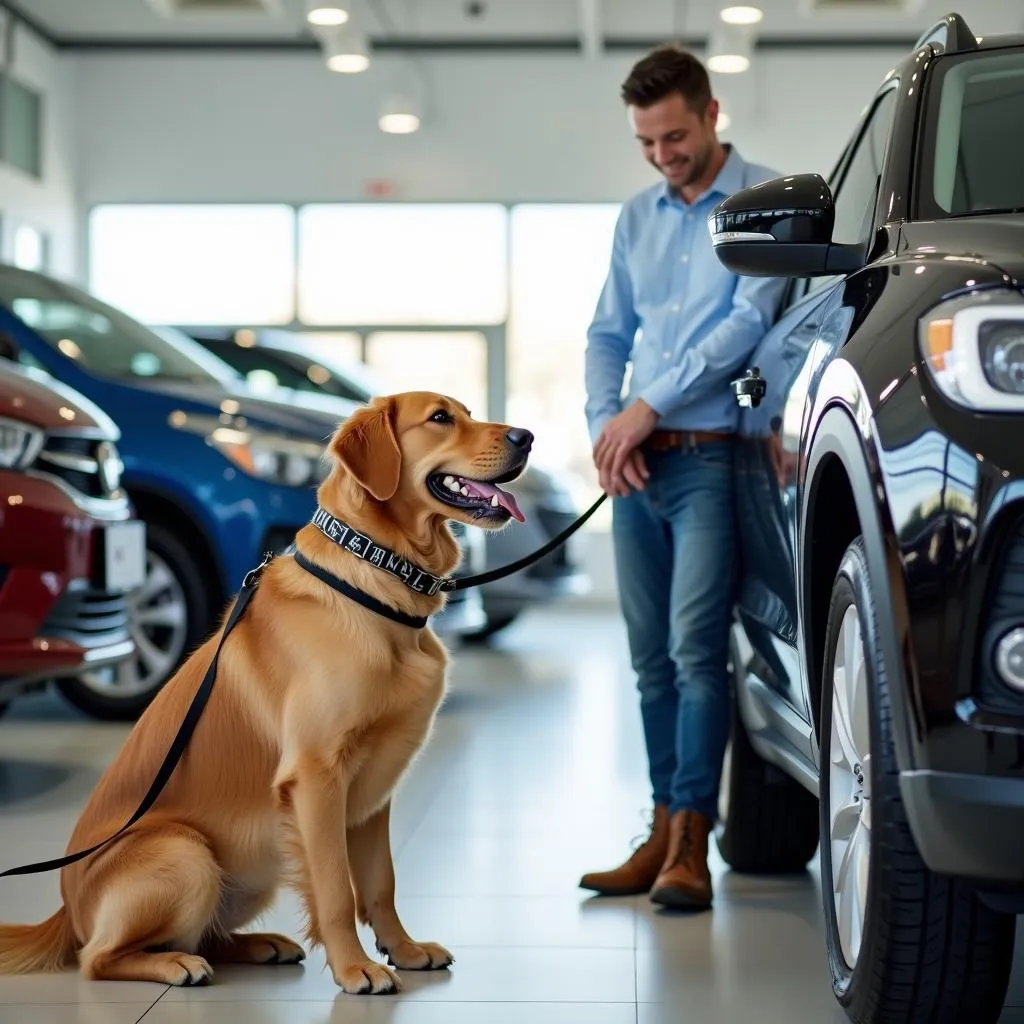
(420, 956)
(366, 976)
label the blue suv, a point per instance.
(219, 475)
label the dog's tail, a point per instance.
(47, 946)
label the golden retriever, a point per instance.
(319, 707)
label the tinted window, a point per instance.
(858, 189)
(974, 151)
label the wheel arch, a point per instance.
(844, 496)
(154, 505)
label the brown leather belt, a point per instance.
(666, 440)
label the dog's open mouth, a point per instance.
(484, 498)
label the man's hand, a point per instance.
(617, 457)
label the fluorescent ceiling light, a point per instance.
(741, 15)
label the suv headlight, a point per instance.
(19, 444)
(974, 348)
(271, 457)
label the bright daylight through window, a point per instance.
(182, 264)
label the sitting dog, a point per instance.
(321, 703)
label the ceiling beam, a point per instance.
(465, 44)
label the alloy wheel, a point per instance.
(849, 782)
(159, 620)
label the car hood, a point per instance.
(997, 239)
(39, 400)
(310, 423)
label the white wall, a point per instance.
(49, 204)
(262, 127)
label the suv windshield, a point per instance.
(973, 154)
(102, 340)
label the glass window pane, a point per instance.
(403, 264)
(560, 255)
(29, 248)
(452, 363)
(203, 264)
(21, 127)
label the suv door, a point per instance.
(811, 329)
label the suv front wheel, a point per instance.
(904, 944)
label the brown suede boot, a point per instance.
(638, 873)
(684, 880)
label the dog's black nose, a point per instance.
(519, 438)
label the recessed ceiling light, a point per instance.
(741, 15)
(324, 13)
(728, 63)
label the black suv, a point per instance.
(878, 653)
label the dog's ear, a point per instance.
(367, 447)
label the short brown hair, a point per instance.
(667, 69)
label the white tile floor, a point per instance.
(534, 775)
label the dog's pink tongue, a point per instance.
(479, 489)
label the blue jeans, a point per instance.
(676, 566)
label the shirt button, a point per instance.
(675, 307)
(667, 355)
(684, 258)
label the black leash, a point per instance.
(180, 742)
(249, 584)
(480, 579)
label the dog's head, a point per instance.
(425, 452)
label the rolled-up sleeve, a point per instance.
(707, 364)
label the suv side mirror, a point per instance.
(781, 228)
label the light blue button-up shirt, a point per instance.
(668, 305)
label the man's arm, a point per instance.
(721, 352)
(610, 338)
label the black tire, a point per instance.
(770, 822)
(930, 950)
(163, 544)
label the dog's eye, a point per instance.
(442, 416)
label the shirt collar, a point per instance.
(728, 180)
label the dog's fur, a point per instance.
(319, 708)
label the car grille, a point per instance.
(89, 465)
(1005, 610)
(89, 618)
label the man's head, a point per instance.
(668, 96)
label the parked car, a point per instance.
(219, 476)
(71, 549)
(879, 645)
(270, 359)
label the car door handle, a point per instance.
(750, 388)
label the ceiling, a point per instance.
(498, 24)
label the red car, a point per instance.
(71, 550)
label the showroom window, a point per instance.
(403, 264)
(31, 248)
(560, 255)
(195, 264)
(21, 127)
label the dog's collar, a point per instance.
(359, 596)
(413, 576)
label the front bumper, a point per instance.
(56, 617)
(970, 826)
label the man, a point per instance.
(665, 456)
